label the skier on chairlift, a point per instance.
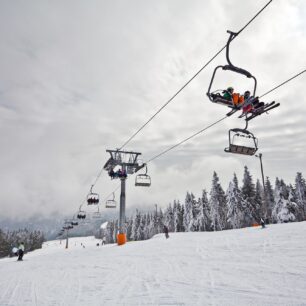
(227, 94)
(251, 103)
(111, 173)
(230, 95)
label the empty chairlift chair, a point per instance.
(143, 180)
(241, 142)
(96, 214)
(111, 203)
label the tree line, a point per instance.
(8, 239)
(237, 207)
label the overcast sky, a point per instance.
(80, 77)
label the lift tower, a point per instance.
(119, 166)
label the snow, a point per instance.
(104, 225)
(250, 266)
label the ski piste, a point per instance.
(190, 268)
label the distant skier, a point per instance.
(104, 240)
(166, 231)
(262, 222)
(20, 251)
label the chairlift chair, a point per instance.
(92, 198)
(96, 214)
(234, 147)
(143, 180)
(215, 96)
(111, 203)
(81, 214)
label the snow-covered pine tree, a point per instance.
(248, 192)
(141, 228)
(295, 209)
(154, 224)
(235, 207)
(270, 202)
(175, 216)
(135, 227)
(206, 212)
(189, 212)
(300, 194)
(160, 222)
(129, 227)
(181, 212)
(217, 205)
(147, 229)
(198, 218)
(169, 218)
(284, 210)
(259, 201)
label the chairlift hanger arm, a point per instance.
(232, 67)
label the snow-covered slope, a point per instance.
(239, 267)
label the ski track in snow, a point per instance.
(249, 266)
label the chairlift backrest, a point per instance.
(111, 203)
(96, 215)
(143, 180)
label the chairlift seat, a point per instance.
(110, 204)
(96, 215)
(93, 199)
(143, 180)
(248, 148)
(240, 150)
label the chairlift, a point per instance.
(81, 214)
(74, 223)
(143, 180)
(96, 214)
(215, 96)
(111, 203)
(238, 136)
(92, 198)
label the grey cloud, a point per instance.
(78, 78)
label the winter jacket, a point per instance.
(227, 96)
(21, 247)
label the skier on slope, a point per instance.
(262, 222)
(20, 251)
(166, 231)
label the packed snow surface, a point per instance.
(250, 266)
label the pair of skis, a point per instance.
(264, 109)
(257, 111)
